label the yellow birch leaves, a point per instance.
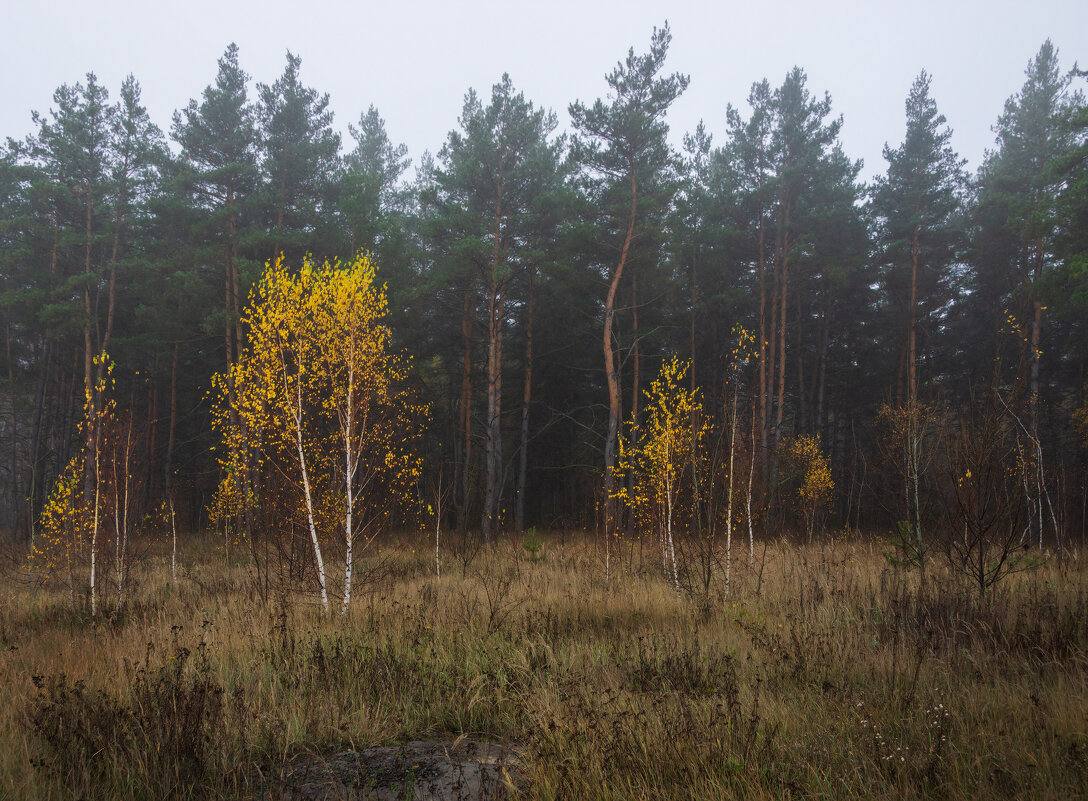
(668, 440)
(315, 380)
(812, 467)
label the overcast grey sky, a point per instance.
(414, 60)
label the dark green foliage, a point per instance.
(920, 231)
(300, 158)
(110, 240)
(1017, 261)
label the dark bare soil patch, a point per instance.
(422, 770)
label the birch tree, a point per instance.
(670, 437)
(320, 397)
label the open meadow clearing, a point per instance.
(823, 674)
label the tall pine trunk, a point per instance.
(636, 380)
(763, 350)
(611, 374)
(782, 278)
(462, 477)
(168, 473)
(496, 317)
(526, 402)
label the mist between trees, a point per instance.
(905, 358)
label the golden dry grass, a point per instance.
(824, 674)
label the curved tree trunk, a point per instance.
(611, 375)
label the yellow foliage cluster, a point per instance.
(68, 518)
(817, 486)
(667, 441)
(228, 498)
(816, 490)
(744, 347)
(62, 525)
(317, 396)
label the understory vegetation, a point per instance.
(828, 670)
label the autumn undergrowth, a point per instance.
(825, 672)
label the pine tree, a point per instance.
(377, 208)
(800, 142)
(494, 174)
(372, 197)
(218, 140)
(623, 151)
(1020, 186)
(299, 162)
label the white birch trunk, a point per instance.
(672, 547)
(748, 500)
(668, 518)
(94, 531)
(297, 414)
(173, 543)
(349, 477)
(729, 498)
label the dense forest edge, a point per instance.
(247, 326)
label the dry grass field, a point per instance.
(824, 673)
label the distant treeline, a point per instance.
(539, 282)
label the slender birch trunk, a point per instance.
(748, 499)
(173, 544)
(729, 493)
(439, 496)
(668, 531)
(350, 466)
(296, 413)
(94, 525)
